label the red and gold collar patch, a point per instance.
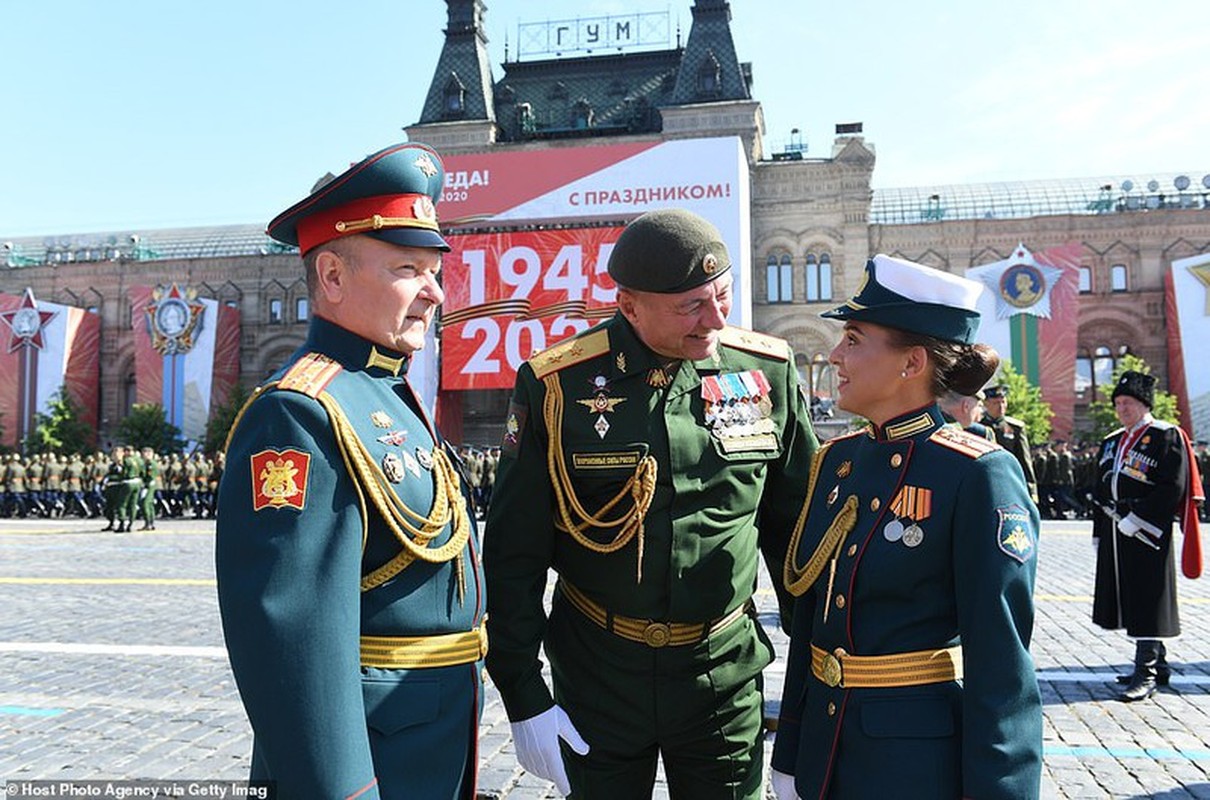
(279, 478)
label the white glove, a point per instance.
(783, 786)
(537, 743)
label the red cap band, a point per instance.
(367, 215)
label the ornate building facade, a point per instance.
(813, 220)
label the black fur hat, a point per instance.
(1138, 385)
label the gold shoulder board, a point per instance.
(310, 375)
(963, 442)
(573, 351)
(760, 343)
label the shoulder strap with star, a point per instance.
(572, 351)
(963, 441)
(752, 342)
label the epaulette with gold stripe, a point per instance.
(573, 351)
(963, 441)
(310, 375)
(760, 343)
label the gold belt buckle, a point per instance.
(832, 673)
(657, 634)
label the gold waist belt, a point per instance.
(919, 667)
(418, 652)
(646, 631)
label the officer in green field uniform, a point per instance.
(151, 485)
(1010, 432)
(348, 564)
(128, 488)
(648, 461)
(909, 673)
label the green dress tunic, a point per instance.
(649, 488)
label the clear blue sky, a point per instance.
(163, 113)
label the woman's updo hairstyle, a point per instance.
(957, 367)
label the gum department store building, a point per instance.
(814, 218)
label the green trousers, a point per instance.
(698, 707)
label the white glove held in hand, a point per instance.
(783, 786)
(537, 743)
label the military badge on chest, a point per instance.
(601, 404)
(738, 410)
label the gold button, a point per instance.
(840, 601)
(896, 460)
(831, 709)
(852, 550)
(875, 504)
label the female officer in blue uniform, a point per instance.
(909, 672)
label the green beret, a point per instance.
(668, 251)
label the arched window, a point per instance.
(1102, 366)
(1085, 280)
(1083, 382)
(819, 277)
(275, 311)
(455, 97)
(302, 309)
(779, 286)
(581, 114)
(709, 77)
(1117, 278)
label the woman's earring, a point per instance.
(903, 374)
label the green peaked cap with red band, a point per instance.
(390, 195)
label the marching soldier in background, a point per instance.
(33, 485)
(113, 487)
(150, 489)
(648, 461)
(347, 557)
(1065, 483)
(488, 483)
(75, 476)
(472, 462)
(1147, 476)
(1010, 432)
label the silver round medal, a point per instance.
(913, 535)
(424, 457)
(893, 531)
(392, 467)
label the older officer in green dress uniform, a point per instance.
(909, 674)
(647, 461)
(348, 567)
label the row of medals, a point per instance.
(739, 417)
(394, 465)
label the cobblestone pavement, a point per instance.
(112, 666)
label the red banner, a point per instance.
(509, 295)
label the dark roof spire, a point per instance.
(710, 69)
(462, 82)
